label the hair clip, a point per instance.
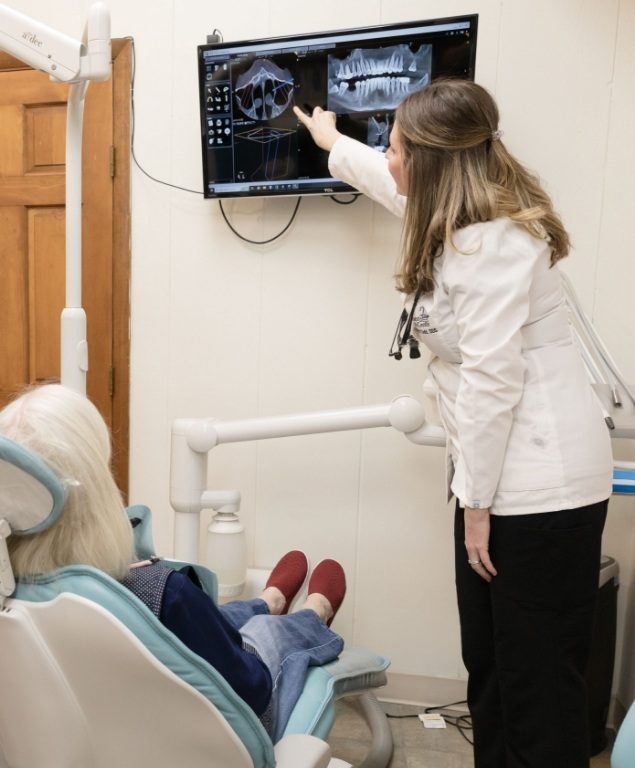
(496, 135)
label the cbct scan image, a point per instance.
(264, 91)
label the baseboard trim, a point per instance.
(422, 690)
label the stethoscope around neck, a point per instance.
(403, 334)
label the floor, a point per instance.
(415, 746)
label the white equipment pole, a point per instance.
(67, 61)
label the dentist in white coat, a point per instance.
(530, 452)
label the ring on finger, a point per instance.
(474, 562)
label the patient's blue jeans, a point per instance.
(288, 645)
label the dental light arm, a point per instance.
(76, 62)
(192, 439)
(62, 57)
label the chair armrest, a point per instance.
(297, 750)
(140, 518)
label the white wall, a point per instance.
(222, 328)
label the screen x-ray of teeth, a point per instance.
(254, 145)
(377, 79)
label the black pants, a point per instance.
(526, 635)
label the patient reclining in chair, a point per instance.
(260, 649)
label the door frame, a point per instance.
(122, 63)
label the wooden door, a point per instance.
(32, 236)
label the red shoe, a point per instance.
(328, 578)
(289, 575)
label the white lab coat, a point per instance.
(525, 431)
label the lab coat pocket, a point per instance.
(532, 458)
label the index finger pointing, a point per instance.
(302, 116)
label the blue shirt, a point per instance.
(196, 620)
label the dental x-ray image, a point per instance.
(269, 151)
(253, 143)
(379, 132)
(377, 78)
(264, 91)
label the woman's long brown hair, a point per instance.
(460, 173)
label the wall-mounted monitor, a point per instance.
(252, 142)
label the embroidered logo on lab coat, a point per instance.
(421, 320)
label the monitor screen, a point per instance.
(252, 141)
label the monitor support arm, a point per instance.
(66, 60)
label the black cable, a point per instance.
(185, 189)
(132, 131)
(462, 723)
(445, 706)
(355, 195)
(260, 242)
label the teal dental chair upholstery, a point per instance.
(623, 753)
(90, 678)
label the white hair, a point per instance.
(67, 431)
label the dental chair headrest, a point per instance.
(31, 495)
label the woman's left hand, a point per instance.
(477, 542)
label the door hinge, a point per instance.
(113, 161)
(111, 382)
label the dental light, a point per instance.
(75, 62)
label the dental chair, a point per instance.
(90, 678)
(623, 753)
